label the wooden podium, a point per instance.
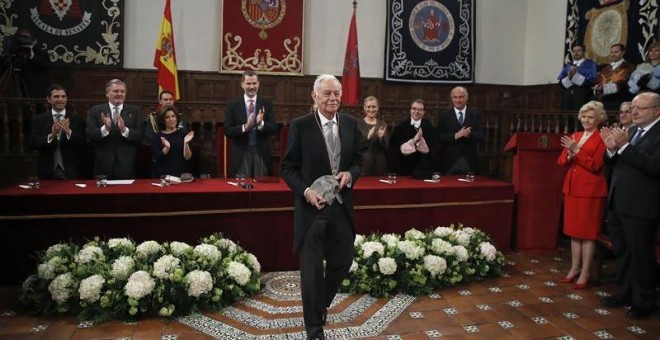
(537, 182)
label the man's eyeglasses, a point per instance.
(625, 111)
(639, 108)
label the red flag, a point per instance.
(350, 80)
(165, 58)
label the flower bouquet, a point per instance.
(420, 262)
(119, 279)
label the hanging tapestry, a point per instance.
(262, 35)
(599, 24)
(71, 32)
(430, 41)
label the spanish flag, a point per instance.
(165, 58)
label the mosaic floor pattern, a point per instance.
(527, 303)
(276, 313)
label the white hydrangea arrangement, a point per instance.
(417, 262)
(119, 279)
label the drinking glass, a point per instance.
(164, 181)
(101, 181)
(470, 176)
(436, 177)
(205, 176)
(240, 178)
(33, 182)
(391, 177)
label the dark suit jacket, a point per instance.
(115, 154)
(416, 164)
(306, 159)
(234, 120)
(635, 184)
(71, 148)
(453, 149)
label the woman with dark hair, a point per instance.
(170, 147)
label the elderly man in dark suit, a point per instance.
(634, 206)
(249, 123)
(322, 143)
(114, 130)
(58, 136)
(459, 132)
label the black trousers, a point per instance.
(633, 244)
(329, 238)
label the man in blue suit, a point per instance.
(322, 143)
(576, 78)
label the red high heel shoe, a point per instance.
(581, 285)
(569, 279)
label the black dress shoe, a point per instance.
(324, 316)
(638, 313)
(612, 302)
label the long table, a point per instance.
(259, 219)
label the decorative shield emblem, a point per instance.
(60, 7)
(263, 14)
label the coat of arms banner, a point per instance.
(71, 32)
(430, 41)
(262, 35)
(599, 24)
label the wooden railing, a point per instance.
(205, 117)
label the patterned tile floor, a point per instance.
(526, 304)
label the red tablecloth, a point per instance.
(260, 219)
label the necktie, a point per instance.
(56, 118)
(57, 157)
(115, 114)
(330, 135)
(637, 137)
(251, 107)
(460, 117)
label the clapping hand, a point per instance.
(250, 122)
(381, 131)
(165, 142)
(107, 120)
(371, 132)
(64, 125)
(463, 132)
(260, 117)
(121, 124)
(55, 129)
(418, 136)
(571, 73)
(568, 143)
(189, 136)
(614, 137)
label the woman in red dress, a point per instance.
(585, 191)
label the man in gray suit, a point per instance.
(322, 143)
(113, 128)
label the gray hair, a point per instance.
(323, 77)
(113, 82)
